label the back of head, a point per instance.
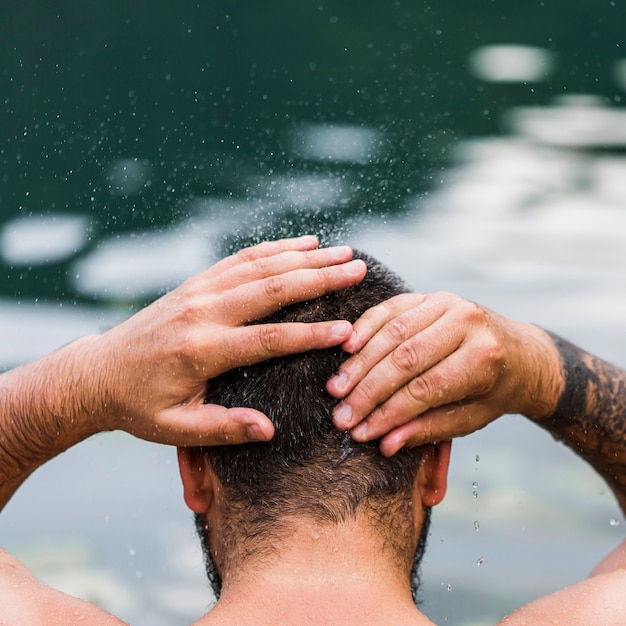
(310, 468)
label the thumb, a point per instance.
(217, 425)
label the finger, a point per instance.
(258, 299)
(376, 317)
(253, 344)
(263, 249)
(439, 424)
(403, 368)
(448, 382)
(282, 263)
(269, 248)
(402, 328)
(213, 425)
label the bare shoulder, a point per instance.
(596, 601)
(27, 601)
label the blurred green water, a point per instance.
(207, 96)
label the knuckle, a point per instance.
(386, 417)
(274, 289)
(493, 351)
(421, 389)
(255, 252)
(224, 432)
(428, 430)
(263, 266)
(444, 297)
(270, 338)
(188, 318)
(381, 310)
(187, 352)
(488, 353)
(472, 312)
(329, 274)
(397, 329)
(367, 392)
(406, 358)
(247, 254)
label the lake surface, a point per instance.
(477, 151)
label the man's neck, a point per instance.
(322, 574)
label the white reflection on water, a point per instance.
(511, 63)
(575, 121)
(342, 143)
(43, 239)
(131, 267)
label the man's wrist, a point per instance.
(543, 372)
(48, 406)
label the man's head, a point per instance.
(310, 469)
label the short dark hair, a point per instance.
(310, 468)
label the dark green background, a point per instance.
(206, 92)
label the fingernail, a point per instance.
(254, 432)
(340, 329)
(354, 268)
(343, 415)
(391, 447)
(339, 381)
(359, 432)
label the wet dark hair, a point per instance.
(309, 468)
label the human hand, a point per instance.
(427, 368)
(151, 370)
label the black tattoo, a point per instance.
(590, 416)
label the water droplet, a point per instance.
(475, 485)
(448, 587)
(475, 494)
(480, 561)
(477, 458)
(476, 526)
(614, 522)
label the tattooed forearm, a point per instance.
(590, 416)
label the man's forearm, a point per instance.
(42, 413)
(147, 376)
(590, 416)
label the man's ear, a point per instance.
(432, 477)
(200, 484)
